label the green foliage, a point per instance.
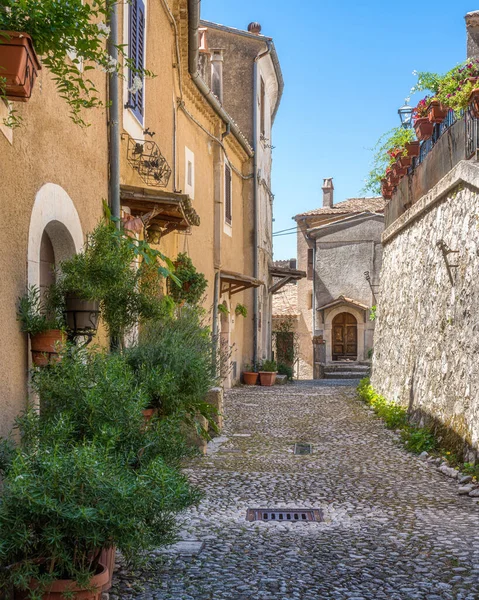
(37, 314)
(416, 439)
(395, 139)
(372, 313)
(223, 309)
(189, 285)
(241, 310)
(173, 362)
(250, 368)
(269, 366)
(87, 474)
(286, 370)
(426, 81)
(122, 273)
(71, 39)
(286, 340)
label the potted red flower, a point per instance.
(422, 126)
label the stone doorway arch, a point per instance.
(345, 337)
(329, 317)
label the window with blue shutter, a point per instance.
(136, 53)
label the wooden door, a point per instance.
(345, 337)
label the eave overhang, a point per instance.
(285, 276)
(341, 301)
(159, 211)
(233, 283)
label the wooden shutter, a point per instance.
(310, 263)
(228, 199)
(136, 53)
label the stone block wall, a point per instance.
(427, 329)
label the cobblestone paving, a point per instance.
(395, 527)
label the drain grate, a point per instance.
(292, 515)
(303, 448)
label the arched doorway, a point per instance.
(345, 337)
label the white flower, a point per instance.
(407, 100)
(111, 65)
(103, 28)
(414, 73)
(137, 85)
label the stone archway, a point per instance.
(53, 215)
(329, 317)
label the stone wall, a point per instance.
(427, 329)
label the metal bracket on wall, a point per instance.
(444, 248)
(367, 277)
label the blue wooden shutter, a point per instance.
(136, 53)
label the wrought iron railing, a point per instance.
(471, 125)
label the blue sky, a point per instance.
(347, 67)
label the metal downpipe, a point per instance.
(114, 121)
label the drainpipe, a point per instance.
(255, 199)
(216, 300)
(114, 97)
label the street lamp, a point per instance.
(405, 114)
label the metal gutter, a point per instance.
(193, 52)
(114, 118)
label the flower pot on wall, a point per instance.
(250, 378)
(405, 161)
(66, 588)
(267, 378)
(474, 102)
(423, 128)
(45, 346)
(412, 149)
(436, 112)
(19, 64)
(386, 190)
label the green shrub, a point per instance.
(37, 314)
(269, 366)
(419, 440)
(189, 285)
(286, 370)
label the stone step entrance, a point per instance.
(346, 370)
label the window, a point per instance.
(310, 263)
(262, 109)
(228, 194)
(136, 53)
(189, 173)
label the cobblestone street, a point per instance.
(395, 528)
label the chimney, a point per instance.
(254, 28)
(472, 28)
(292, 263)
(328, 193)
(217, 73)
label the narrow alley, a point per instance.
(393, 527)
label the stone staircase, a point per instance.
(346, 370)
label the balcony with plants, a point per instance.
(435, 135)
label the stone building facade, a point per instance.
(426, 342)
(339, 246)
(54, 177)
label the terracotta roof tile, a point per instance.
(352, 205)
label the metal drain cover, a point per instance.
(292, 515)
(302, 448)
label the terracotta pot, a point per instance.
(19, 64)
(398, 170)
(58, 588)
(436, 112)
(392, 178)
(423, 128)
(386, 190)
(149, 413)
(45, 346)
(107, 558)
(405, 161)
(81, 315)
(413, 149)
(267, 378)
(250, 378)
(474, 102)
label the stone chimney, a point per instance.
(217, 73)
(292, 263)
(254, 28)
(472, 28)
(328, 193)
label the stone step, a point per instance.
(346, 367)
(343, 375)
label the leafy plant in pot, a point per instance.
(42, 319)
(267, 372)
(189, 284)
(250, 374)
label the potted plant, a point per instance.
(190, 285)
(43, 320)
(71, 39)
(267, 373)
(436, 112)
(19, 65)
(386, 190)
(422, 125)
(241, 310)
(250, 374)
(412, 148)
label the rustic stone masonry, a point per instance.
(427, 330)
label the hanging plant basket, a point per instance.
(474, 102)
(81, 315)
(45, 346)
(436, 112)
(19, 64)
(423, 128)
(412, 149)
